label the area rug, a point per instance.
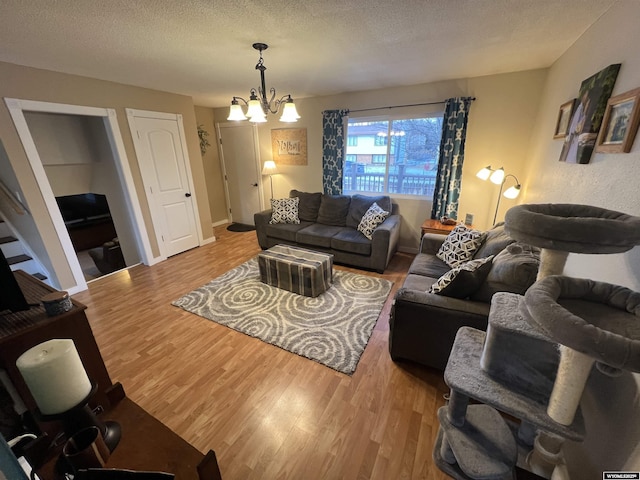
(332, 329)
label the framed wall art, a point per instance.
(620, 123)
(289, 146)
(564, 115)
(584, 126)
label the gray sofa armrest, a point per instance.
(261, 220)
(384, 242)
(431, 243)
(423, 326)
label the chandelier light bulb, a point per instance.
(289, 112)
(236, 113)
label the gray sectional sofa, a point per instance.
(329, 223)
(423, 325)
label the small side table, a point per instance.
(435, 226)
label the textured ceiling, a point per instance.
(202, 48)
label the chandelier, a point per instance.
(258, 106)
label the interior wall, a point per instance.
(42, 85)
(611, 406)
(212, 168)
(500, 125)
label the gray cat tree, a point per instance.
(538, 351)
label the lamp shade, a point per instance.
(269, 168)
(236, 113)
(512, 192)
(497, 177)
(289, 112)
(484, 173)
(254, 110)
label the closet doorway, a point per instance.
(78, 151)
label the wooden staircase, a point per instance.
(15, 254)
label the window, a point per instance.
(392, 156)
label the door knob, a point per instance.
(187, 194)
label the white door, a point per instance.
(161, 156)
(241, 163)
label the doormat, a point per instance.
(240, 227)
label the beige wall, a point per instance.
(611, 406)
(42, 85)
(212, 168)
(500, 125)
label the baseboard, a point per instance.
(221, 222)
(209, 240)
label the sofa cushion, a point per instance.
(463, 280)
(428, 266)
(372, 220)
(495, 241)
(285, 231)
(308, 206)
(513, 270)
(352, 241)
(460, 245)
(317, 235)
(361, 203)
(333, 210)
(284, 210)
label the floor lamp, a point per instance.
(270, 169)
(499, 178)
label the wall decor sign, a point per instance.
(564, 116)
(587, 116)
(289, 146)
(620, 123)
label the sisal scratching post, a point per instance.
(552, 262)
(571, 379)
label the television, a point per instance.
(11, 296)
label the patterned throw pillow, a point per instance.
(463, 280)
(460, 245)
(284, 210)
(371, 219)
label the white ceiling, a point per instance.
(202, 48)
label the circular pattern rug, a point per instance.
(332, 329)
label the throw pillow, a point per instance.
(460, 245)
(361, 203)
(463, 280)
(308, 206)
(513, 270)
(371, 220)
(333, 210)
(284, 210)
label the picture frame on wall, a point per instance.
(289, 146)
(564, 116)
(620, 123)
(586, 120)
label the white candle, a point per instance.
(55, 375)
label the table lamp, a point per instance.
(61, 388)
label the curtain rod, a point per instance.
(400, 106)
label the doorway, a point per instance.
(106, 122)
(239, 154)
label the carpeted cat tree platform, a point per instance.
(534, 360)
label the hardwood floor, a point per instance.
(267, 413)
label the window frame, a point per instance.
(439, 113)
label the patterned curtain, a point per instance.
(448, 180)
(332, 150)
